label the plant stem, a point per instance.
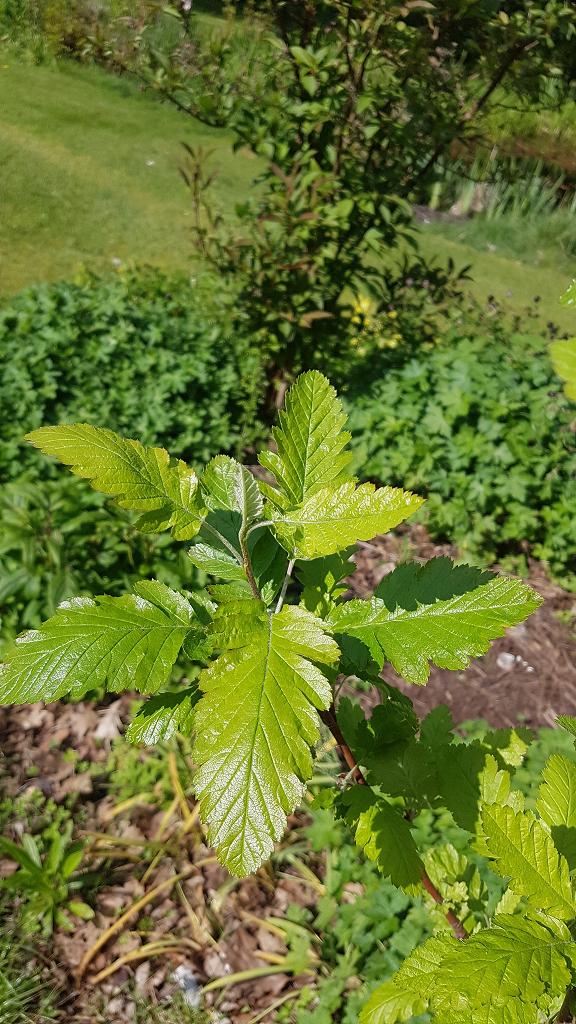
(285, 585)
(248, 565)
(329, 719)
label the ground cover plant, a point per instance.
(271, 670)
(482, 427)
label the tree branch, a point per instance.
(329, 719)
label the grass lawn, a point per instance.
(89, 173)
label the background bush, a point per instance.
(142, 353)
(481, 426)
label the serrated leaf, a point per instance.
(129, 642)
(567, 722)
(524, 851)
(310, 442)
(383, 834)
(255, 724)
(446, 633)
(412, 584)
(495, 786)
(337, 517)
(556, 804)
(515, 958)
(437, 728)
(390, 1005)
(216, 563)
(564, 361)
(143, 479)
(459, 769)
(162, 716)
(228, 485)
(321, 580)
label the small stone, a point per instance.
(505, 661)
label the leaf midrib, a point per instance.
(247, 789)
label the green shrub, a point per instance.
(481, 426)
(56, 543)
(141, 352)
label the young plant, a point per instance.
(271, 669)
(47, 885)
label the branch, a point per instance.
(329, 719)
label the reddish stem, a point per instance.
(329, 719)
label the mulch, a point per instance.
(529, 676)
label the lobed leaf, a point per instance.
(383, 834)
(143, 479)
(129, 642)
(390, 1005)
(556, 804)
(228, 485)
(162, 716)
(310, 442)
(445, 633)
(524, 851)
(336, 517)
(255, 724)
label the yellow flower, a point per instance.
(393, 315)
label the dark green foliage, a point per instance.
(56, 542)
(481, 426)
(142, 353)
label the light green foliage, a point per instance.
(310, 441)
(255, 725)
(47, 884)
(504, 974)
(142, 479)
(338, 516)
(446, 633)
(524, 851)
(121, 642)
(564, 361)
(262, 668)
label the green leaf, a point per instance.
(524, 851)
(216, 563)
(310, 442)
(459, 769)
(335, 517)
(390, 1005)
(81, 910)
(143, 479)
(556, 804)
(564, 361)
(557, 794)
(321, 580)
(445, 633)
(567, 722)
(439, 579)
(516, 958)
(26, 862)
(383, 834)
(162, 716)
(228, 485)
(255, 725)
(129, 642)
